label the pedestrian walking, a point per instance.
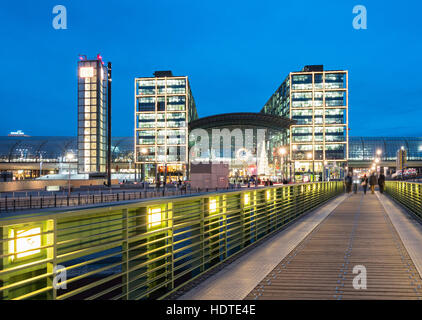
(348, 180)
(381, 182)
(372, 182)
(364, 183)
(355, 183)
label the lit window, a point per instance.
(213, 205)
(86, 72)
(154, 217)
(25, 242)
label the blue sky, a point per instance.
(236, 54)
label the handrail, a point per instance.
(409, 194)
(142, 249)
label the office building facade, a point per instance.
(164, 105)
(318, 101)
(92, 115)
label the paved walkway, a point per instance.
(317, 255)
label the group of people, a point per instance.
(372, 181)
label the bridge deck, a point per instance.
(357, 233)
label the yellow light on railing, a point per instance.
(246, 199)
(25, 242)
(268, 195)
(154, 217)
(213, 205)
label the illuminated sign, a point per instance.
(86, 72)
(246, 200)
(25, 242)
(154, 217)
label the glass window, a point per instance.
(161, 86)
(318, 99)
(176, 103)
(335, 151)
(146, 104)
(335, 116)
(302, 116)
(146, 86)
(301, 151)
(175, 86)
(302, 134)
(318, 80)
(161, 104)
(335, 98)
(301, 99)
(335, 134)
(335, 80)
(301, 81)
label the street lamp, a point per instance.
(282, 151)
(309, 157)
(144, 151)
(325, 168)
(69, 158)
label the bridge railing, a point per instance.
(142, 250)
(408, 194)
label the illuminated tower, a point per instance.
(92, 115)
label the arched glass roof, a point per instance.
(365, 148)
(32, 149)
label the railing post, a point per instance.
(125, 253)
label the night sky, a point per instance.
(236, 54)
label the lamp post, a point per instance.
(69, 157)
(144, 152)
(282, 152)
(109, 126)
(325, 168)
(309, 157)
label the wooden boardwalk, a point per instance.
(357, 233)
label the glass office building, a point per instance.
(318, 101)
(164, 106)
(92, 115)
